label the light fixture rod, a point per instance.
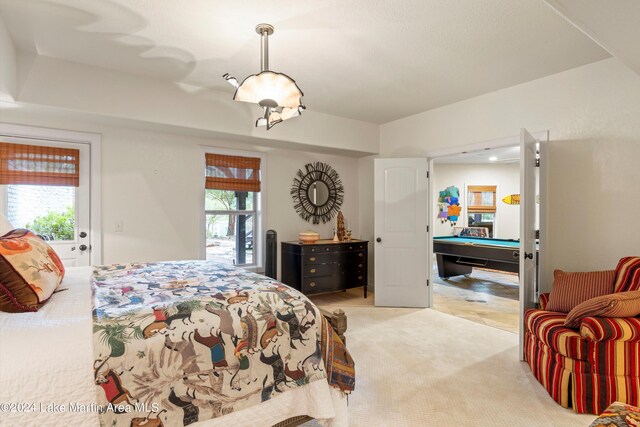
(264, 51)
(265, 30)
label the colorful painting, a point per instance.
(449, 205)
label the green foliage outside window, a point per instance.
(55, 225)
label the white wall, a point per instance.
(152, 182)
(593, 114)
(8, 65)
(506, 178)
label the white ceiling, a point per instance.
(614, 26)
(371, 60)
(502, 155)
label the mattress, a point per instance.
(47, 379)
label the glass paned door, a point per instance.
(58, 213)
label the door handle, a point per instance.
(528, 255)
(378, 240)
(83, 247)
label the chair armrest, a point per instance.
(610, 328)
(543, 300)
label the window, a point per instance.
(232, 199)
(481, 198)
(39, 188)
(49, 211)
(481, 206)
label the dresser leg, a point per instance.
(365, 291)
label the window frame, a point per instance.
(259, 207)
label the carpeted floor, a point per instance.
(428, 368)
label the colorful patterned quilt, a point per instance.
(185, 341)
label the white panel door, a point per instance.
(24, 205)
(400, 247)
(528, 156)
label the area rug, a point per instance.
(427, 368)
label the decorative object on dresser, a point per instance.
(308, 237)
(341, 230)
(317, 192)
(325, 266)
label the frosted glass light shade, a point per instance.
(268, 86)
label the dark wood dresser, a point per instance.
(324, 266)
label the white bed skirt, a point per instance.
(46, 375)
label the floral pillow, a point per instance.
(30, 271)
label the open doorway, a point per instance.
(476, 235)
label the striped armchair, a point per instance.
(590, 367)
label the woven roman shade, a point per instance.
(481, 199)
(233, 173)
(39, 165)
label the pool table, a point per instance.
(458, 255)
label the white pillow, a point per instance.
(5, 225)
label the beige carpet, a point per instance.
(427, 368)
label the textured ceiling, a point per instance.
(502, 155)
(370, 60)
(614, 26)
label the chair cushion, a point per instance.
(548, 327)
(627, 275)
(571, 289)
(30, 271)
(621, 304)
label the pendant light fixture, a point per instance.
(277, 94)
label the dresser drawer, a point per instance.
(310, 259)
(319, 270)
(357, 278)
(320, 284)
(359, 256)
(320, 249)
(355, 264)
(354, 246)
(357, 275)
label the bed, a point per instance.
(167, 364)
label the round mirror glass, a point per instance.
(318, 193)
